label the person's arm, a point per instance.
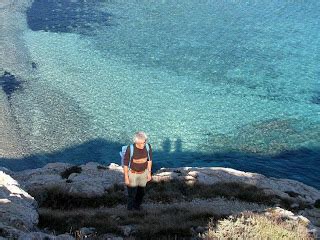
(150, 164)
(125, 166)
(149, 170)
(126, 175)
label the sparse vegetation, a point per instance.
(163, 192)
(171, 191)
(74, 169)
(254, 226)
(157, 223)
(55, 198)
(66, 221)
(108, 212)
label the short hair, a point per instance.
(140, 136)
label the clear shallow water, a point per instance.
(215, 83)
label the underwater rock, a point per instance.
(316, 99)
(34, 65)
(9, 83)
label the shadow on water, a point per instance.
(297, 164)
(66, 16)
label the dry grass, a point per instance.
(171, 209)
(69, 221)
(171, 191)
(55, 198)
(253, 226)
(163, 192)
(156, 223)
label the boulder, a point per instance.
(18, 213)
(92, 180)
(285, 188)
(18, 209)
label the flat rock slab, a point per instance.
(285, 188)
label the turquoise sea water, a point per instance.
(213, 83)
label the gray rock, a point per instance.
(200, 229)
(87, 230)
(315, 231)
(41, 235)
(18, 212)
(127, 230)
(17, 207)
(65, 237)
(91, 182)
(109, 237)
(271, 186)
(94, 179)
(10, 232)
(294, 206)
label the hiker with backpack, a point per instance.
(137, 164)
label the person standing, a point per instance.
(137, 170)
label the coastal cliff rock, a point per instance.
(18, 209)
(88, 180)
(18, 212)
(92, 179)
(285, 188)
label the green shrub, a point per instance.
(254, 226)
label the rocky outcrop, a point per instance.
(18, 212)
(284, 188)
(93, 180)
(88, 180)
(296, 192)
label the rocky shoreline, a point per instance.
(89, 185)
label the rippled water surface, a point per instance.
(213, 83)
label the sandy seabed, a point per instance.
(14, 60)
